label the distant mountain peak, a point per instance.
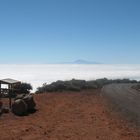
(81, 61)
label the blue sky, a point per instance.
(49, 31)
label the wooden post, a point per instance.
(0, 88)
(10, 102)
(0, 91)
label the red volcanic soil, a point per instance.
(67, 116)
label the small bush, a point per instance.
(22, 88)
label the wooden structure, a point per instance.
(10, 87)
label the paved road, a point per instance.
(124, 99)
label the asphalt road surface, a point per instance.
(125, 99)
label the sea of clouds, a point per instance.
(47, 73)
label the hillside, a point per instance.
(67, 115)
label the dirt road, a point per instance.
(125, 99)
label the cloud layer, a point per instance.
(39, 74)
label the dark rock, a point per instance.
(20, 96)
(19, 107)
(28, 99)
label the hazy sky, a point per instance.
(45, 31)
